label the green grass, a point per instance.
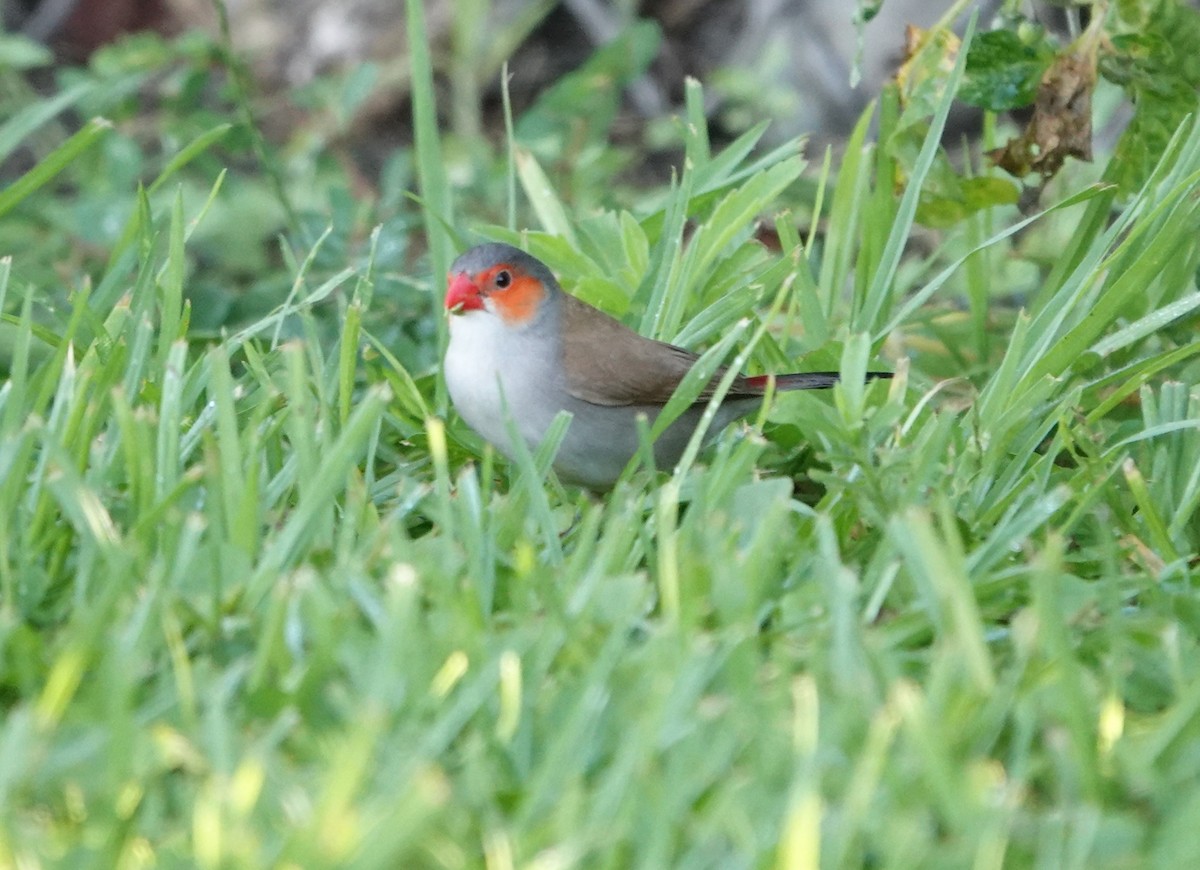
(265, 602)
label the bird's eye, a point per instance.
(503, 279)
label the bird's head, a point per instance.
(499, 280)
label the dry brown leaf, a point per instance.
(1061, 125)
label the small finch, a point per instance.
(520, 345)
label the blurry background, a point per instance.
(305, 106)
(596, 88)
(794, 60)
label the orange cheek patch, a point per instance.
(518, 302)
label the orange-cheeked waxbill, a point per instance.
(521, 346)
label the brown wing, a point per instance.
(607, 363)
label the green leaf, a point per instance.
(1004, 68)
(948, 198)
(1158, 65)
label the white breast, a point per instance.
(492, 369)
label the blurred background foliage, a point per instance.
(305, 107)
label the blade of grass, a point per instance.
(53, 163)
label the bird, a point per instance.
(522, 349)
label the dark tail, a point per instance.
(806, 380)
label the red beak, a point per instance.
(462, 294)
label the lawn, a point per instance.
(265, 600)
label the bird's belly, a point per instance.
(602, 439)
(599, 442)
